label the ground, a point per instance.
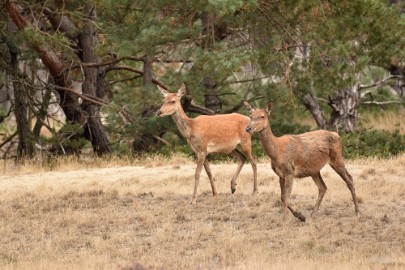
(139, 217)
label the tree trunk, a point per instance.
(147, 71)
(213, 32)
(42, 112)
(399, 83)
(345, 104)
(312, 105)
(212, 100)
(25, 147)
(94, 129)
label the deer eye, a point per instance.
(262, 117)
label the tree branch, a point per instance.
(126, 79)
(8, 139)
(383, 102)
(240, 104)
(190, 107)
(88, 98)
(246, 80)
(377, 83)
(132, 69)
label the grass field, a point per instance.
(117, 215)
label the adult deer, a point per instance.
(300, 156)
(210, 134)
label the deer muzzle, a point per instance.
(158, 113)
(248, 129)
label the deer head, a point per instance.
(171, 101)
(258, 117)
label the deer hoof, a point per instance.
(193, 202)
(233, 189)
(301, 217)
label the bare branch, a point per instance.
(161, 140)
(132, 58)
(191, 107)
(8, 139)
(246, 80)
(383, 102)
(377, 83)
(91, 99)
(126, 79)
(241, 103)
(132, 69)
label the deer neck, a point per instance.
(182, 122)
(269, 142)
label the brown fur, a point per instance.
(300, 156)
(211, 134)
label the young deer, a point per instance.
(210, 134)
(300, 156)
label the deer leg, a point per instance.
(248, 151)
(200, 162)
(344, 174)
(287, 193)
(241, 161)
(322, 190)
(282, 188)
(208, 170)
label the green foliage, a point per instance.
(343, 38)
(372, 143)
(69, 138)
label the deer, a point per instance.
(299, 156)
(206, 134)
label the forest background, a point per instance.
(80, 77)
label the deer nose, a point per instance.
(248, 129)
(158, 113)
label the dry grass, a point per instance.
(385, 120)
(388, 120)
(110, 215)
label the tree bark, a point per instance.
(399, 84)
(25, 148)
(345, 104)
(211, 97)
(312, 105)
(213, 31)
(94, 129)
(147, 71)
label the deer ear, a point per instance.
(162, 91)
(269, 107)
(182, 90)
(250, 108)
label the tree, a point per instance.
(322, 55)
(89, 117)
(324, 47)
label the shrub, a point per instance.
(376, 143)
